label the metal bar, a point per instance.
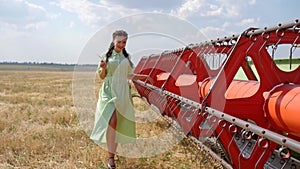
(274, 28)
(155, 65)
(272, 136)
(258, 161)
(220, 72)
(253, 32)
(208, 150)
(177, 61)
(148, 58)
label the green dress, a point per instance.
(115, 95)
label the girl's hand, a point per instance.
(102, 64)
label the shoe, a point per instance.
(109, 165)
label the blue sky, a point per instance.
(58, 31)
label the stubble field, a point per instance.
(40, 129)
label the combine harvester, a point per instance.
(232, 97)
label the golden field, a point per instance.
(40, 129)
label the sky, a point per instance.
(77, 31)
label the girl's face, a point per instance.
(120, 43)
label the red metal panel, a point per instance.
(257, 100)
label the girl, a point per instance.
(114, 117)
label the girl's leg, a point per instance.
(111, 137)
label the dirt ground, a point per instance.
(40, 129)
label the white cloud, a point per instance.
(71, 24)
(95, 14)
(217, 8)
(248, 22)
(34, 12)
(25, 24)
(82, 8)
(4, 26)
(146, 5)
(213, 32)
(214, 10)
(34, 6)
(188, 8)
(226, 24)
(36, 26)
(9, 31)
(252, 2)
(25, 15)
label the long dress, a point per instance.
(115, 95)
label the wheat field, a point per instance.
(40, 129)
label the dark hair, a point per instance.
(112, 46)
